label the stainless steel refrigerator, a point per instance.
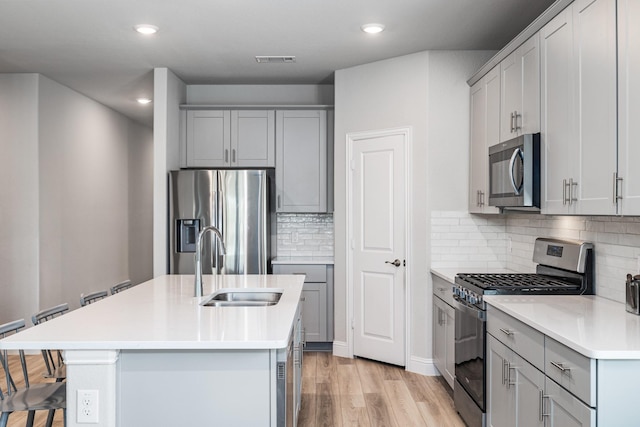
(238, 203)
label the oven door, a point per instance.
(470, 352)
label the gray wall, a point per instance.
(70, 190)
(428, 92)
(18, 195)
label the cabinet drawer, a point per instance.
(564, 409)
(442, 289)
(315, 273)
(522, 339)
(572, 370)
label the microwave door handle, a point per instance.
(517, 152)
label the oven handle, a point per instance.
(470, 310)
(516, 153)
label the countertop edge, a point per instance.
(590, 352)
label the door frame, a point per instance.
(407, 134)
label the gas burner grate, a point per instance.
(520, 282)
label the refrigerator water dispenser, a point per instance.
(187, 234)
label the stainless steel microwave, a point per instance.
(514, 173)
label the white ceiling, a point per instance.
(90, 45)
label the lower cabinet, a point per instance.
(443, 339)
(521, 395)
(317, 301)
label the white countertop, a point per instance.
(326, 260)
(163, 314)
(593, 326)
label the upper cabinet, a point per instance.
(578, 68)
(230, 138)
(301, 161)
(520, 93)
(628, 185)
(485, 130)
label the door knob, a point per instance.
(397, 262)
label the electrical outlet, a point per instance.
(87, 406)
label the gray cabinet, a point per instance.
(230, 138)
(560, 390)
(301, 161)
(444, 339)
(317, 300)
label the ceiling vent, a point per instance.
(275, 59)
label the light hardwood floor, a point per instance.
(335, 392)
(358, 392)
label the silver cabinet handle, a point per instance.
(395, 262)
(506, 332)
(511, 124)
(616, 194)
(478, 198)
(226, 155)
(509, 382)
(564, 191)
(504, 367)
(233, 155)
(278, 201)
(572, 184)
(541, 405)
(515, 121)
(560, 366)
(481, 198)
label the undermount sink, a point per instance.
(238, 298)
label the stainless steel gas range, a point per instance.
(563, 268)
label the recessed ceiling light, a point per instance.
(372, 28)
(143, 100)
(146, 29)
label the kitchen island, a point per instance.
(156, 356)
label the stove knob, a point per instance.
(472, 299)
(479, 299)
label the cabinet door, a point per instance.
(485, 132)
(253, 138)
(511, 95)
(594, 24)
(450, 332)
(444, 339)
(500, 398)
(520, 94)
(558, 155)
(529, 54)
(564, 410)
(629, 105)
(478, 158)
(208, 138)
(301, 161)
(314, 311)
(529, 386)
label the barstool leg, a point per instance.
(30, 418)
(4, 419)
(50, 417)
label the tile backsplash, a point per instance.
(305, 235)
(509, 243)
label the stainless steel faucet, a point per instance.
(198, 278)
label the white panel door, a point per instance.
(629, 105)
(378, 227)
(253, 138)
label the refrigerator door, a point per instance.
(244, 221)
(193, 206)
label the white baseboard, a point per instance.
(341, 349)
(422, 366)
